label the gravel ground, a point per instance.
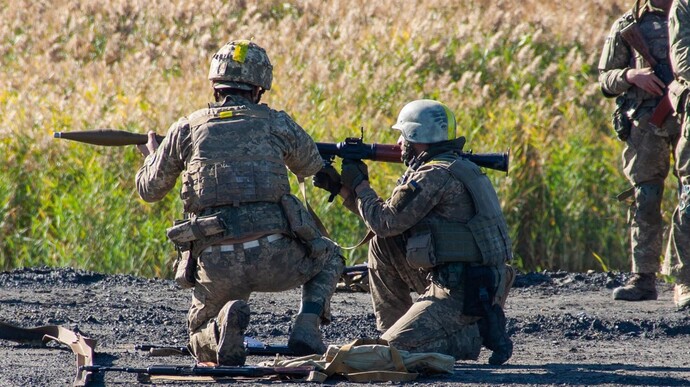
(565, 327)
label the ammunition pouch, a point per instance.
(620, 120)
(420, 251)
(195, 228)
(304, 227)
(185, 269)
(184, 233)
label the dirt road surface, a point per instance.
(565, 327)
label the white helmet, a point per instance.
(426, 121)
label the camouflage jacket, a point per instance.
(618, 57)
(427, 193)
(679, 37)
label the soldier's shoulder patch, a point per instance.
(404, 195)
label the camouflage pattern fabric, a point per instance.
(272, 266)
(646, 157)
(435, 321)
(677, 260)
(241, 62)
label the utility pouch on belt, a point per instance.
(195, 228)
(303, 225)
(420, 251)
(185, 268)
(183, 233)
(480, 290)
(620, 120)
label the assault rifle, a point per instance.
(352, 148)
(144, 374)
(252, 347)
(633, 36)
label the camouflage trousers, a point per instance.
(646, 162)
(677, 260)
(435, 321)
(272, 267)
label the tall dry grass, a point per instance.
(518, 74)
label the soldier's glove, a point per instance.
(328, 179)
(353, 173)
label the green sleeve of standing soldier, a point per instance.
(679, 32)
(615, 60)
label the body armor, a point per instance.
(484, 239)
(216, 176)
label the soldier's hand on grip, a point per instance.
(646, 80)
(353, 173)
(328, 179)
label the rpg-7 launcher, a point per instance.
(352, 148)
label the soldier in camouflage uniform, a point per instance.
(441, 234)
(232, 157)
(646, 157)
(677, 262)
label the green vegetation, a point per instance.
(520, 75)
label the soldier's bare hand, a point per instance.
(646, 80)
(150, 146)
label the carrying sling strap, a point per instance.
(370, 234)
(82, 346)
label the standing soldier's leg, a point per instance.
(677, 261)
(646, 162)
(391, 280)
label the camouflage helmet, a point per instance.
(426, 121)
(241, 64)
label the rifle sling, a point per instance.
(370, 234)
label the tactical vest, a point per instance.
(231, 163)
(483, 239)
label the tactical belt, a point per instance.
(224, 248)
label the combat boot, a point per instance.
(231, 322)
(305, 338)
(681, 295)
(492, 329)
(640, 287)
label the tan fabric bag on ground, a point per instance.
(372, 360)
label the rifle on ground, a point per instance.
(633, 36)
(352, 148)
(252, 347)
(145, 374)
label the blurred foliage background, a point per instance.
(520, 75)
